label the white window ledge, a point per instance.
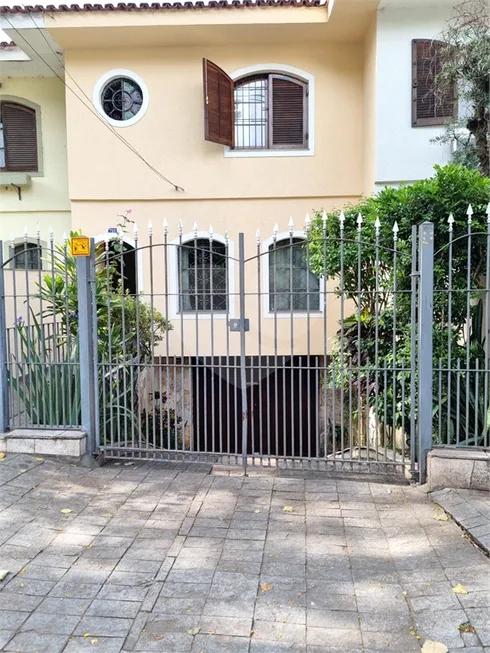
(15, 178)
(286, 315)
(251, 154)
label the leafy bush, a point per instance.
(129, 330)
(384, 342)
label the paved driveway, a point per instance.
(147, 557)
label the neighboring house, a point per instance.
(235, 114)
(407, 117)
(33, 162)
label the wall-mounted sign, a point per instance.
(80, 246)
(112, 230)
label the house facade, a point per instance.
(197, 122)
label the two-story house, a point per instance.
(237, 114)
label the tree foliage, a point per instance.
(465, 65)
(371, 264)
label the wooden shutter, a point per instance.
(219, 105)
(288, 128)
(431, 105)
(20, 135)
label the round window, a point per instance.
(122, 99)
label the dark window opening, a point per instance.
(203, 273)
(27, 256)
(292, 285)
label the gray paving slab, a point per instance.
(471, 509)
(157, 557)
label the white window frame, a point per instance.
(16, 242)
(174, 278)
(281, 315)
(108, 237)
(294, 72)
(108, 77)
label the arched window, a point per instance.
(203, 273)
(292, 285)
(27, 256)
(271, 112)
(18, 138)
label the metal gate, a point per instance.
(281, 351)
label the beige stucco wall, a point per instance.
(233, 216)
(170, 136)
(232, 194)
(46, 200)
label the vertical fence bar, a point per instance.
(243, 372)
(413, 352)
(425, 363)
(4, 397)
(88, 384)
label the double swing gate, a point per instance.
(309, 349)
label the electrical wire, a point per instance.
(89, 106)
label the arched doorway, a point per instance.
(125, 263)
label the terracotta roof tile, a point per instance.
(158, 6)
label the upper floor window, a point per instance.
(292, 285)
(260, 111)
(27, 256)
(434, 102)
(121, 97)
(270, 112)
(18, 138)
(203, 276)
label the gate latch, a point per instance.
(240, 325)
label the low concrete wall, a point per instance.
(459, 468)
(68, 444)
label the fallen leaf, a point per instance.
(193, 631)
(94, 641)
(128, 464)
(2, 455)
(288, 509)
(265, 587)
(440, 515)
(66, 511)
(22, 585)
(3, 573)
(157, 637)
(434, 647)
(40, 460)
(466, 627)
(86, 635)
(256, 510)
(22, 471)
(460, 589)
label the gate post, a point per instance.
(87, 317)
(425, 350)
(4, 400)
(243, 371)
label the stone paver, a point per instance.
(170, 558)
(471, 509)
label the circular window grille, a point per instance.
(122, 98)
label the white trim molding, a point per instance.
(285, 236)
(103, 238)
(174, 280)
(294, 72)
(108, 77)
